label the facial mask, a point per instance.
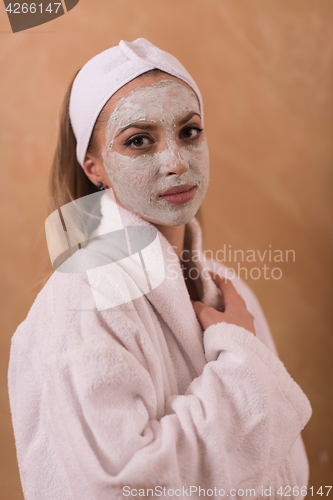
(138, 180)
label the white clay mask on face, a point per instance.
(138, 178)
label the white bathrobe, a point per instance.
(109, 404)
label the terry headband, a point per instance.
(106, 73)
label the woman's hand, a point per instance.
(235, 311)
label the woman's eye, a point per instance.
(139, 141)
(191, 132)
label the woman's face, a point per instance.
(154, 143)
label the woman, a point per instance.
(172, 388)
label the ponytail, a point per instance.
(68, 180)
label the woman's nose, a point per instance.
(176, 165)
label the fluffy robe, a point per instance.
(139, 396)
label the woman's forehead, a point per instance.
(150, 91)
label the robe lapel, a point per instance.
(171, 299)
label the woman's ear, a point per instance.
(90, 168)
(94, 169)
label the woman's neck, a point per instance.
(175, 236)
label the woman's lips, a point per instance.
(179, 195)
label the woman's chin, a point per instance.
(178, 217)
(165, 212)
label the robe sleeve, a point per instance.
(84, 411)
(298, 457)
(232, 429)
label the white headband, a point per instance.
(106, 73)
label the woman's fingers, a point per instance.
(207, 316)
(230, 295)
(227, 288)
(198, 307)
(235, 312)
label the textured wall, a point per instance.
(265, 68)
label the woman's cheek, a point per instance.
(114, 163)
(129, 176)
(198, 158)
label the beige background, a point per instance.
(265, 68)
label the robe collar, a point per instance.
(171, 299)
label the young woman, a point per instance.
(168, 389)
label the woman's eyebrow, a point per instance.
(188, 117)
(141, 125)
